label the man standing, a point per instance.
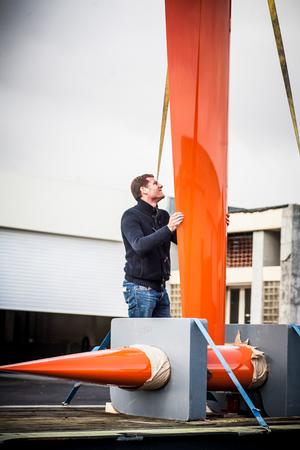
(147, 234)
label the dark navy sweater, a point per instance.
(147, 242)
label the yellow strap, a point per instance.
(163, 124)
(283, 64)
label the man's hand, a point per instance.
(227, 219)
(175, 220)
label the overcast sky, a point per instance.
(81, 92)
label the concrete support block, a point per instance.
(184, 397)
(280, 343)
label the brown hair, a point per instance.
(138, 182)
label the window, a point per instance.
(247, 305)
(175, 300)
(239, 250)
(271, 301)
(238, 305)
(234, 305)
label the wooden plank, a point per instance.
(77, 423)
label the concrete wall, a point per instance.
(61, 207)
(289, 308)
(272, 248)
(268, 219)
(257, 277)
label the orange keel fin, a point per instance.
(198, 64)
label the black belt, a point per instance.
(156, 285)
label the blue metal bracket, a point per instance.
(104, 344)
(238, 385)
(296, 328)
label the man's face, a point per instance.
(153, 191)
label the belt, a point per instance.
(156, 285)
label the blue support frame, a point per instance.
(296, 328)
(104, 345)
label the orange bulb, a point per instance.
(125, 367)
(238, 357)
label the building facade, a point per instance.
(263, 266)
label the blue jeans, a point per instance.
(145, 302)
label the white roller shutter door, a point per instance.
(62, 274)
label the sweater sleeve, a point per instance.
(174, 237)
(166, 221)
(141, 244)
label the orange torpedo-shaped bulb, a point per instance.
(138, 366)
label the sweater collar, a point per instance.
(146, 208)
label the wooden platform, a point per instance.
(76, 427)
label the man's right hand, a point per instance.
(175, 220)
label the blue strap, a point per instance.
(238, 385)
(296, 328)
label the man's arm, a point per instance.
(174, 237)
(141, 244)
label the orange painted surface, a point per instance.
(126, 367)
(238, 357)
(198, 64)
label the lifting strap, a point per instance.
(248, 401)
(296, 328)
(163, 124)
(283, 64)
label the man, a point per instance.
(147, 234)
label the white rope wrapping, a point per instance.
(160, 367)
(260, 366)
(259, 363)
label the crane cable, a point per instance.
(283, 64)
(163, 124)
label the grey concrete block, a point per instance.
(184, 397)
(281, 344)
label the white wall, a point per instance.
(61, 207)
(269, 219)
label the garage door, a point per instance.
(52, 273)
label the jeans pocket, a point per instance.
(129, 297)
(131, 303)
(165, 300)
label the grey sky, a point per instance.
(81, 90)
